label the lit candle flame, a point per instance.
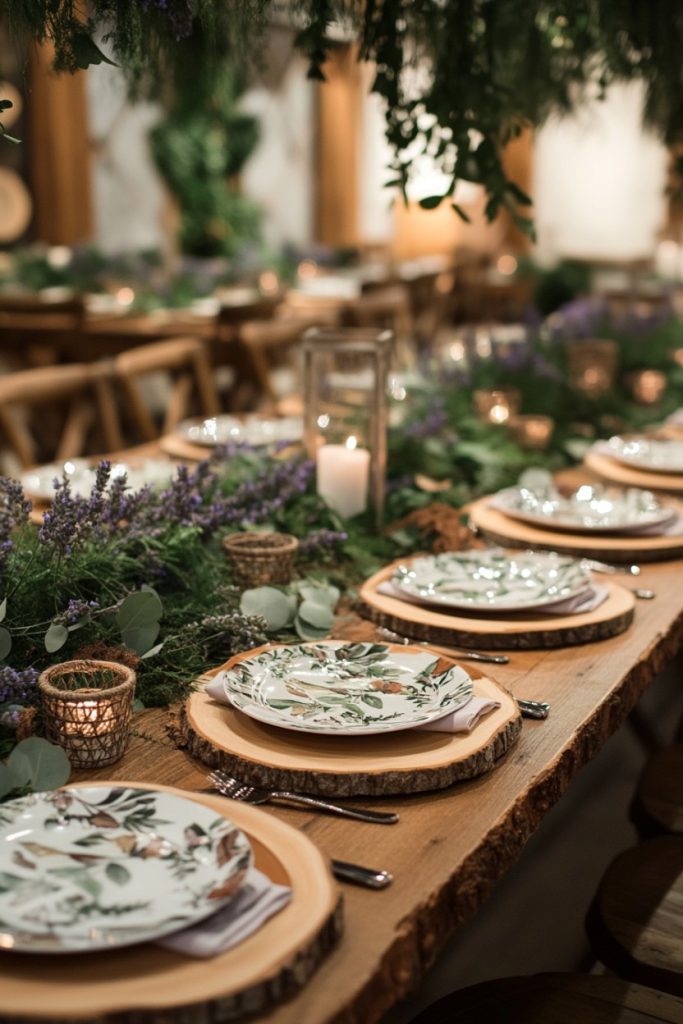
(351, 443)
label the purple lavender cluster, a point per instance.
(14, 510)
(591, 316)
(434, 423)
(75, 611)
(321, 542)
(18, 686)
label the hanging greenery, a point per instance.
(460, 78)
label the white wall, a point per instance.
(128, 195)
(599, 182)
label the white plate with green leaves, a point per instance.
(590, 509)
(98, 867)
(492, 580)
(652, 454)
(40, 482)
(254, 430)
(345, 689)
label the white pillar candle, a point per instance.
(342, 477)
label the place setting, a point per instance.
(600, 521)
(196, 438)
(132, 882)
(651, 462)
(339, 719)
(495, 599)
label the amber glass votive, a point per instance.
(532, 432)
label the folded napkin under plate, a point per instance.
(257, 900)
(586, 601)
(461, 721)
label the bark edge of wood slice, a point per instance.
(508, 532)
(405, 762)
(132, 983)
(420, 622)
(619, 473)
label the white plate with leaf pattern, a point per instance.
(492, 580)
(590, 509)
(657, 456)
(345, 689)
(254, 430)
(81, 474)
(98, 867)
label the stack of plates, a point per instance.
(99, 867)
(652, 455)
(39, 483)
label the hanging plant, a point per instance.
(460, 78)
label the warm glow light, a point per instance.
(444, 283)
(499, 414)
(59, 256)
(307, 269)
(269, 282)
(351, 443)
(456, 351)
(506, 264)
(323, 421)
(482, 345)
(125, 296)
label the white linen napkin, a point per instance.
(462, 720)
(586, 601)
(257, 900)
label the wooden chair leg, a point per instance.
(79, 420)
(178, 403)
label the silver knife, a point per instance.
(359, 875)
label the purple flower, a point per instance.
(14, 510)
(431, 426)
(75, 611)
(321, 542)
(18, 686)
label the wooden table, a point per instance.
(451, 847)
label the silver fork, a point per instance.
(462, 653)
(237, 790)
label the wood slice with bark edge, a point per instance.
(151, 984)
(495, 633)
(619, 473)
(509, 532)
(409, 761)
(178, 448)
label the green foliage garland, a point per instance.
(487, 68)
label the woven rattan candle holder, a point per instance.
(261, 558)
(87, 710)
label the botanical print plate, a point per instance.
(665, 456)
(99, 866)
(492, 580)
(590, 509)
(40, 482)
(344, 689)
(230, 430)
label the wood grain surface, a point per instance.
(451, 847)
(617, 472)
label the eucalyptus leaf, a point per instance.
(140, 609)
(271, 604)
(308, 632)
(318, 615)
(5, 642)
(153, 650)
(56, 636)
(140, 638)
(3, 609)
(6, 781)
(39, 763)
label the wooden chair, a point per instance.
(658, 803)
(184, 360)
(34, 328)
(635, 923)
(266, 345)
(86, 391)
(554, 999)
(386, 308)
